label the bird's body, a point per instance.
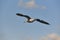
(30, 20)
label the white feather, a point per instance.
(31, 19)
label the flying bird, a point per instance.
(30, 20)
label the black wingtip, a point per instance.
(48, 24)
(44, 22)
(19, 14)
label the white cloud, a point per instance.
(52, 36)
(29, 4)
(20, 3)
(43, 7)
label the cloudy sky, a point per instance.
(12, 27)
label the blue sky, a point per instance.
(14, 28)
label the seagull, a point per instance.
(31, 20)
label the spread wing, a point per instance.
(42, 21)
(19, 14)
